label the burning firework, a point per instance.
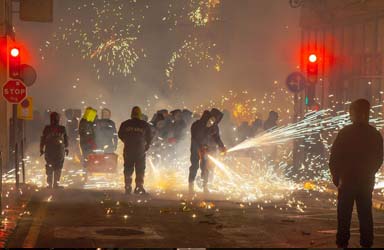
(198, 12)
(105, 34)
(194, 52)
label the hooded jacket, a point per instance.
(54, 141)
(199, 130)
(214, 138)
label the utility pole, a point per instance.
(5, 29)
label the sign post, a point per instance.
(296, 83)
(15, 91)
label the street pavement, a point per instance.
(109, 219)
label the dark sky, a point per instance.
(257, 40)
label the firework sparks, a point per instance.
(314, 123)
(193, 52)
(106, 35)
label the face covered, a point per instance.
(211, 122)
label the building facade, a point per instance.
(348, 37)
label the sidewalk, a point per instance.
(14, 204)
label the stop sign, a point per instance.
(14, 91)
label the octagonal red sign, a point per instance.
(14, 91)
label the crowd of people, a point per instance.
(138, 134)
(356, 154)
(87, 133)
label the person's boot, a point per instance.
(140, 190)
(49, 181)
(56, 180)
(128, 190)
(191, 188)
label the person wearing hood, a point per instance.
(87, 132)
(105, 133)
(214, 138)
(54, 147)
(198, 135)
(271, 122)
(137, 137)
(178, 125)
(205, 139)
(356, 157)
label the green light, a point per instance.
(306, 100)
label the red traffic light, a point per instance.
(312, 58)
(15, 52)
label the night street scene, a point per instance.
(191, 124)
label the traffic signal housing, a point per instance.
(14, 63)
(312, 69)
(312, 79)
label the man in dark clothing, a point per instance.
(198, 135)
(205, 139)
(105, 133)
(72, 125)
(87, 132)
(178, 125)
(356, 156)
(54, 146)
(136, 135)
(214, 139)
(271, 122)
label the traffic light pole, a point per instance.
(15, 143)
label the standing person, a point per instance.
(136, 136)
(106, 133)
(198, 134)
(271, 122)
(72, 125)
(54, 146)
(87, 132)
(356, 156)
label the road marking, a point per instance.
(34, 230)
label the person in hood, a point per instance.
(87, 132)
(178, 125)
(54, 147)
(214, 138)
(136, 136)
(72, 125)
(271, 122)
(205, 139)
(106, 133)
(199, 132)
(356, 156)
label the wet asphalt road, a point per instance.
(83, 218)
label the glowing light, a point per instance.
(15, 52)
(312, 58)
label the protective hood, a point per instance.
(217, 114)
(136, 113)
(205, 117)
(90, 114)
(55, 118)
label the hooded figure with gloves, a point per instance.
(137, 137)
(54, 146)
(205, 139)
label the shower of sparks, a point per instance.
(194, 52)
(105, 34)
(313, 124)
(197, 12)
(243, 106)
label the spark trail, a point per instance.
(314, 123)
